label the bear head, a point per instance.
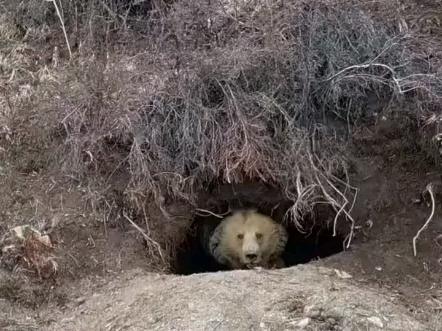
(250, 239)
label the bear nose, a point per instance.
(251, 257)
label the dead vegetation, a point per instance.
(25, 248)
(180, 96)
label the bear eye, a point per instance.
(259, 235)
(240, 236)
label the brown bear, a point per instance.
(247, 239)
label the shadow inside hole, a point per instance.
(318, 242)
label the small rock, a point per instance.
(376, 321)
(303, 323)
(309, 309)
(342, 274)
(324, 271)
(80, 300)
(315, 313)
(331, 321)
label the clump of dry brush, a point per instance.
(200, 92)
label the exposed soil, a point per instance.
(390, 209)
(302, 298)
(102, 275)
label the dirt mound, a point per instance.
(300, 298)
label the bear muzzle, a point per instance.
(251, 256)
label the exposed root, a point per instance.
(149, 240)
(339, 207)
(429, 188)
(62, 26)
(203, 212)
(327, 183)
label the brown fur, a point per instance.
(248, 239)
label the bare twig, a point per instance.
(148, 239)
(217, 324)
(209, 212)
(429, 188)
(62, 26)
(75, 260)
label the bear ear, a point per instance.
(283, 233)
(252, 210)
(248, 212)
(244, 211)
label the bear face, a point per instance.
(248, 239)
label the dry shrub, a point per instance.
(204, 93)
(37, 256)
(29, 250)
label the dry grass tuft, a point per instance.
(187, 94)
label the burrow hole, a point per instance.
(317, 242)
